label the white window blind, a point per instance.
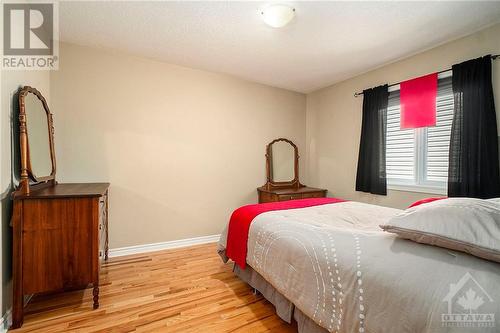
(400, 145)
(438, 138)
(417, 159)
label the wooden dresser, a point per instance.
(282, 169)
(293, 193)
(60, 238)
(60, 231)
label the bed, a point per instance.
(333, 269)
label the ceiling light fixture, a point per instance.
(277, 16)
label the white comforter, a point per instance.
(336, 265)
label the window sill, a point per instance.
(417, 188)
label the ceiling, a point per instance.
(326, 43)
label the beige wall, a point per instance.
(10, 83)
(334, 115)
(182, 148)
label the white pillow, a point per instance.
(462, 224)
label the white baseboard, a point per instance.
(6, 321)
(137, 249)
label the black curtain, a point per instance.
(474, 166)
(371, 175)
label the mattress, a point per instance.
(340, 270)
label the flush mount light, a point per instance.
(277, 16)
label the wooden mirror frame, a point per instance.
(26, 170)
(275, 185)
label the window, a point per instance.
(417, 159)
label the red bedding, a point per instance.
(239, 224)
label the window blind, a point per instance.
(438, 137)
(420, 156)
(400, 144)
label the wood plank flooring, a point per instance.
(181, 290)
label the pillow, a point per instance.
(426, 200)
(463, 224)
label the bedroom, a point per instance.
(168, 108)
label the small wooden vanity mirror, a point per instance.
(282, 163)
(282, 168)
(36, 130)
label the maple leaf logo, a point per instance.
(470, 301)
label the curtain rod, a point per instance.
(494, 57)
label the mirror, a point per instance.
(36, 139)
(37, 126)
(282, 162)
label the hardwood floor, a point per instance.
(182, 290)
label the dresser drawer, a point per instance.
(102, 234)
(285, 197)
(293, 193)
(57, 244)
(103, 226)
(102, 206)
(313, 195)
